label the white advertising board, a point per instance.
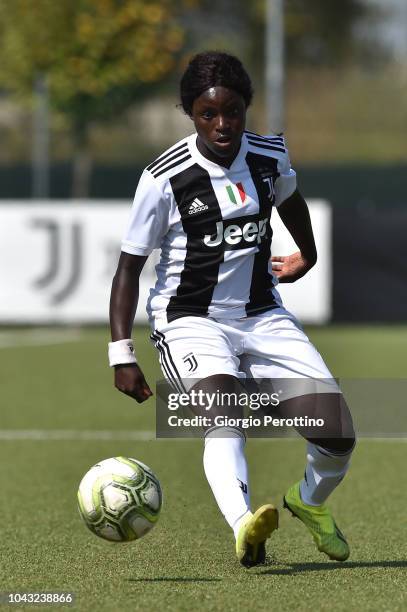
(57, 261)
(309, 298)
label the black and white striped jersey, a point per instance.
(212, 225)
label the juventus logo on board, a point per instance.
(64, 259)
(242, 485)
(191, 362)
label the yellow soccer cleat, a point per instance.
(250, 542)
(328, 538)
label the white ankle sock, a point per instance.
(241, 521)
(226, 470)
(323, 473)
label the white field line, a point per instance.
(362, 437)
(74, 434)
(100, 435)
(38, 337)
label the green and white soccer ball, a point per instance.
(120, 499)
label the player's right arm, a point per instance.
(129, 378)
(148, 223)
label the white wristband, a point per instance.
(121, 352)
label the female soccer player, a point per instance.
(215, 314)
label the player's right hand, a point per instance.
(129, 379)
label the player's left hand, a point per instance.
(289, 268)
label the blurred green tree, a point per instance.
(326, 33)
(97, 56)
(318, 32)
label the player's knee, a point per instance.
(345, 445)
(341, 446)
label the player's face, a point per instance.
(219, 115)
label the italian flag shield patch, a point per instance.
(236, 193)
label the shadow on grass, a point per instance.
(298, 568)
(167, 579)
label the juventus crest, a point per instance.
(270, 188)
(268, 177)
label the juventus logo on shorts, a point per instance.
(191, 362)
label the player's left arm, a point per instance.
(295, 215)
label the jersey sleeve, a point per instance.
(286, 183)
(149, 218)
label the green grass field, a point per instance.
(58, 397)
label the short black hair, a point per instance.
(210, 69)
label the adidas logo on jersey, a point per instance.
(196, 207)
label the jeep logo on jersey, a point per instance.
(241, 236)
